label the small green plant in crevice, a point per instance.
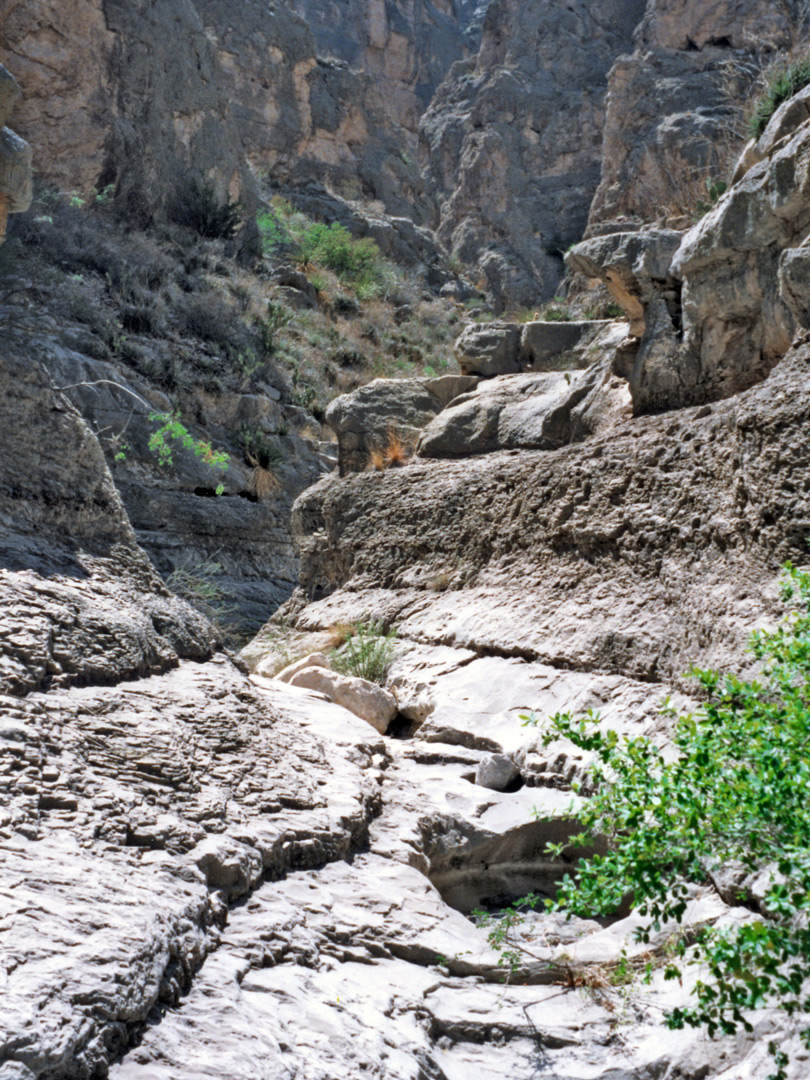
(735, 790)
(198, 585)
(172, 433)
(714, 190)
(368, 653)
(783, 82)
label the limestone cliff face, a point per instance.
(674, 107)
(513, 139)
(142, 94)
(407, 47)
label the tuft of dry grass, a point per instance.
(397, 452)
(263, 482)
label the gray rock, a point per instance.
(489, 349)
(366, 419)
(547, 346)
(508, 412)
(507, 112)
(535, 411)
(317, 659)
(497, 772)
(794, 282)
(83, 601)
(635, 266)
(667, 130)
(16, 173)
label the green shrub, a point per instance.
(197, 206)
(736, 791)
(782, 84)
(367, 654)
(259, 449)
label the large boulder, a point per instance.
(541, 411)
(365, 699)
(549, 346)
(366, 419)
(489, 349)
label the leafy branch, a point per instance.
(736, 790)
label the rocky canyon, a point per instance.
(381, 378)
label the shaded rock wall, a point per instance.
(81, 601)
(512, 142)
(675, 112)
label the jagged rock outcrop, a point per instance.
(512, 140)
(675, 105)
(708, 309)
(15, 156)
(81, 601)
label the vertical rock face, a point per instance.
(15, 156)
(513, 138)
(672, 104)
(60, 52)
(407, 46)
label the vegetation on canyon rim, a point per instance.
(734, 797)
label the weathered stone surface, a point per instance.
(175, 514)
(534, 411)
(583, 525)
(365, 699)
(546, 346)
(61, 56)
(368, 418)
(81, 601)
(672, 106)
(635, 266)
(316, 659)
(489, 349)
(509, 412)
(16, 188)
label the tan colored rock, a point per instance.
(62, 59)
(365, 699)
(313, 660)
(667, 129)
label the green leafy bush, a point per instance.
(354, 261)
(367, 654)
(173, 431)
(782, 84)
(737, 790)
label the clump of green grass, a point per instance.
(368, 653)
(783, 83)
